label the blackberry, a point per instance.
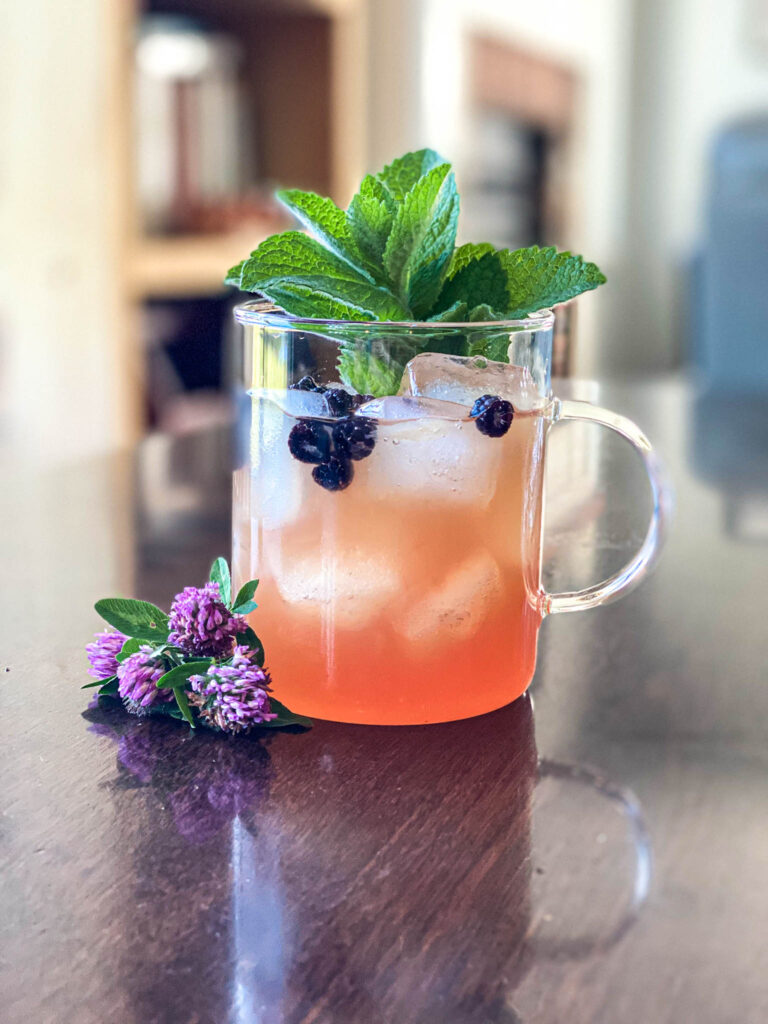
(355, 437)
(482, 403)
(310, 441)
(492, 415)
(335, 474)
(305, 384)
(358, 400)
(339, 401)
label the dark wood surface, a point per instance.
(602, 860)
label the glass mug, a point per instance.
(398, 540)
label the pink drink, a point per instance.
(412, 595)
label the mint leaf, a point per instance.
(457, 313)
(478, 277)
(304, 300)
(370, 217)
(420, 245)
(540, 278)
(369, 374)
(401, 175)
(299, 274)
(495, 346)
(178, 675)
(505, 284)
(430, 260)
(220, 574)
(244, 602)
(483, 312)
(234, 274)
(453, 343)
(138, 619)
(373, 365)
(326, 221)
(468, 253)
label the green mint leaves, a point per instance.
(402, 174)
(420, 244)
(309, 280)
(501, 284)
(391, 256)
(370, 217)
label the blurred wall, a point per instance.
(697, 63)
(419, 97)
(60, 175)
(658, 79)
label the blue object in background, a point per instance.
(731, 278)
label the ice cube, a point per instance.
(462, 379)
(429, 459)
(456, 608)
(295, 402)
(346, 586)
(404, 407)
(278, 481)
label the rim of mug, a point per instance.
(263, 312)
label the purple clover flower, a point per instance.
(233, 697)
(102, 653)
(201, 624)
(137, 677)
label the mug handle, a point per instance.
(633, 572)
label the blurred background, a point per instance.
(142, 143)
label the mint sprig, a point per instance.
(391, 256)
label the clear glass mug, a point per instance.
(397, 540)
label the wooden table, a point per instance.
(473, 872)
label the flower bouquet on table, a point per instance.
(202, 663)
